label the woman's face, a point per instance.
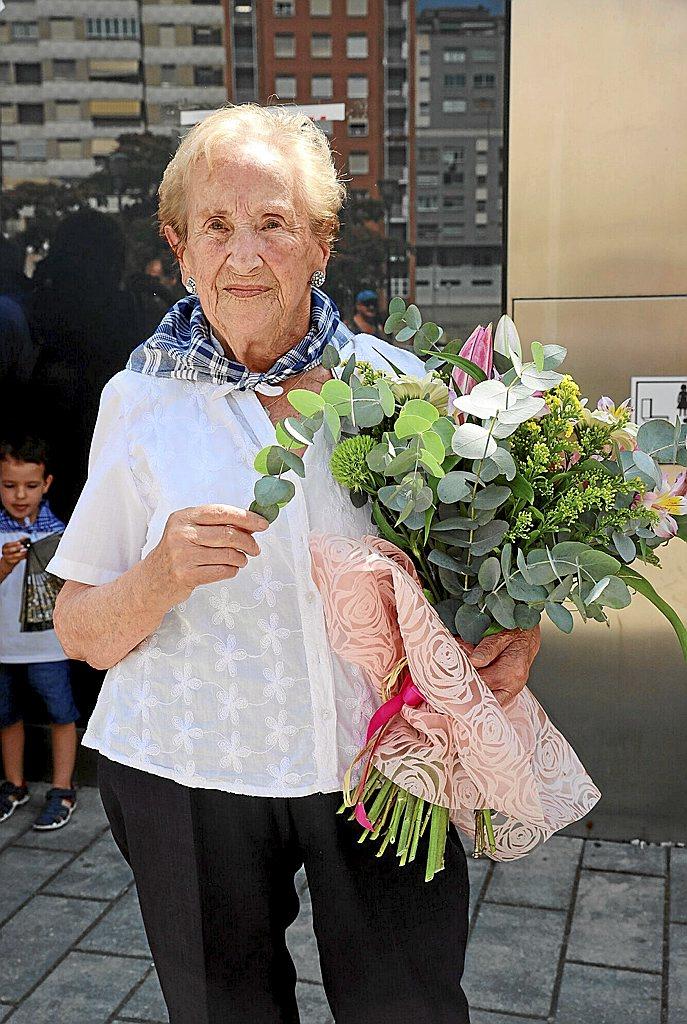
(250, 249)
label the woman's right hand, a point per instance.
(203, 544)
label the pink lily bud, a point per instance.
(479, 349)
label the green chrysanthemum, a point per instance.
(348, 463)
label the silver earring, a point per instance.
(190, 286)
(317, 278)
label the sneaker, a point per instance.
(56, 814)
(11, 797)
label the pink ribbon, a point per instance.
(408, 694)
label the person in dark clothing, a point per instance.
(17, 349)
(87, 325)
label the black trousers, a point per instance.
(215, 877)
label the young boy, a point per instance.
(35, 658)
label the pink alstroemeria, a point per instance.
(479, 349)
(669, 501)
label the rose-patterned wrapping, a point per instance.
(461, 749)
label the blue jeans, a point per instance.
(49, 679)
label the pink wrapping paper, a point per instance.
(461, 749)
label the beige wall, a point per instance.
(597, 261)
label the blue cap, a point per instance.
(366, 296)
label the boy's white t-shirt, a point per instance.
(17, 647)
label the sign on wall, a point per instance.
(663, 398)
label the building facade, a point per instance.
(459, 72)
(75, 75)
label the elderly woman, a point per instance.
(225, 723)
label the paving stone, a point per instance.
(486, 1017)
(100, 872)
(90, 985)
(300, 938)
(513, 957)
(607, 996)
(618, 921)
(313, 1007)
(640, 860)
(11, 830)
(147, 1002)
(678, 885)
(22, 871)
(37, 936)
(4, 1010)
(87, 822)
(677, 975)
(121, 929)
(544, 878)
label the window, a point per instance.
(111, 28)
(428, 180)
(453, 177)
(428, 231)
(453, 156)
(168, 74)
(483, 55)
(320, 8)
(204, 75)
(28, 74)
(356, 46)
(8, 113)
(284, 8)
(105, 112)
(284, 45)
(481, 205)
(62, 28)
(428, 155)
(429, 202)
(5, 72)
(454, 81)
(114, 71)
(357, 87)
(205, 35)
(358, 127)
(67, 110)
(481, 145)
(321, 87)
(454, 202)
(320, 45)
(486, 81)
(359, 163)
(484, 105)
(103, 147)
(69, 149)
(24, 31)
(454, 106)
(424, 109)
(424, 57)
(356, 8)
(9, 150)
(285, 87)
(454, 56)
(30, 113)
(482, 282)
(65, 69)
(32, 149)
(168, 35)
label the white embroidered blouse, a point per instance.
(237, 690)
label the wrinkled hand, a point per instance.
(504, 660)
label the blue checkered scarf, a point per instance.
(183, 347)
(46, 521)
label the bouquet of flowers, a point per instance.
(505, 498)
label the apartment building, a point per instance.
(459, 73)
(74, 75)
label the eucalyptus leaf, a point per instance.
(560, 616)
(472, 441)
(492, 496)
(409, 426)
(279, 461)
(539, 568)
(445, 561)
(298, 431)
(474, 595)
(489, 573)
(646, 465)
(504, 460)
(471, 624)
(453, 523)
(521, 411)
(562, 590)
(405, 334)
(538, 354)
(307, 403)
(348, 370)
(270, 490)
(487, 470)
(506, 559)
(397, 305)
(268, 512)
(502, 607)
(400, 463)
(447, 612)
(625, 547)
(430, 464)
(519, 589)
(453, 487)
(488, 537)
(526, 617)
(386, 397)
(657, 438)
(522, 488)
(554, 355)
(413, 317)
(330, 357)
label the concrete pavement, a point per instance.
(580, 932)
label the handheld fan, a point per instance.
(40, 588)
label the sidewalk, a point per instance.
(581, 932)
